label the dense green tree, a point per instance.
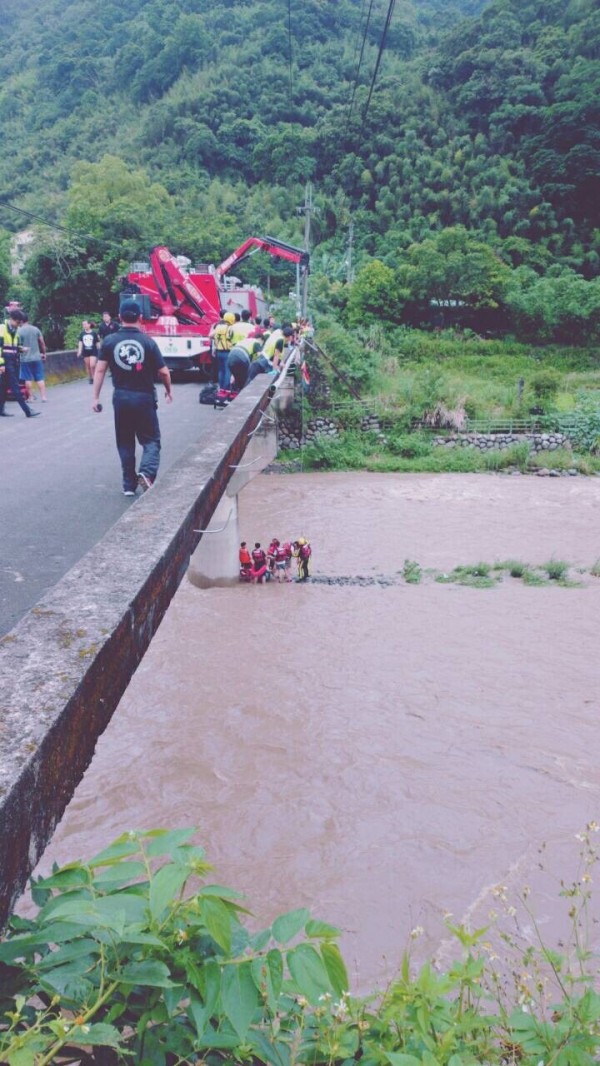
(454, 268)
(375, 295)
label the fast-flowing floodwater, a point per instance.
(378, 754)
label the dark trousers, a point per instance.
(10, 378)
(239, 365)
(136, 419)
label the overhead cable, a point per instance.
(388, 20)
(360, 59)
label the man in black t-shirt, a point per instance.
(107, 326)
(135, 363)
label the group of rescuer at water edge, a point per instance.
(241, 350)
(275, 563)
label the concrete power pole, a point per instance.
(308, 207)
(349, 267)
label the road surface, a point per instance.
(60, 484)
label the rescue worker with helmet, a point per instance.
(222, 344)
(9, 363)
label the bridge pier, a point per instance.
(215, 560)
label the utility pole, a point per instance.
(307, 211)
(349, 267)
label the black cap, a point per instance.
(130, 310)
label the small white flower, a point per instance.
(416, 932)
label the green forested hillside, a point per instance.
(481, 116)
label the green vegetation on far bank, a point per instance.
(423, 385)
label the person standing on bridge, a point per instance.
(135, 362)
(33, 357)
(9, 363)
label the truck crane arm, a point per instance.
(178, 294)
(265, 244)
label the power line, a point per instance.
(362, 52)
(62, 229)
(55, 225)
(388, 20)
(290, 50)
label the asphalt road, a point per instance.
(60, 483)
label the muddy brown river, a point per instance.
(378, 754)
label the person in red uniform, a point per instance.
(259, 563)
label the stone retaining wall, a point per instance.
(291, 435)
(538, 442)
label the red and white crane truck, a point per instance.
(180, 304)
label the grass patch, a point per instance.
(516, 456)
(556, 569)
(595, 570)
(477, 576)
(412, 572)
(533, 577)
(514, 567)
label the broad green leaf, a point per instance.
(316, 929)
(35, 1044)
(211, 972)
(198, 1014)
(275, 961)
(273, 1054)
(149, 972)
(127, 903)
(120, 873)
(96, 1035)
(119, 849)
(398, 1058)
(132, 937)
(239, 997)
(65, 904)
(335, 966)
(260, 940)
(287, 926)
(72, 876)
(214, 1039)
(217, 919)
(172, 997)
(69, 982)
(165, 841)
(308, 972)
(68, 952)
(267, 973)
(221, 891)
(165, 887)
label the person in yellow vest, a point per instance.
(240, 357)
(222, 344)
(241, 328)
(9, 364)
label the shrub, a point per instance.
(556, 569)
(515, 568)
(545, 385)
(410, 445)
(125, 963)
(412, 572)
(121, 956)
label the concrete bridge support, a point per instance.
(215, 561)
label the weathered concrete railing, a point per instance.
(64, 668)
